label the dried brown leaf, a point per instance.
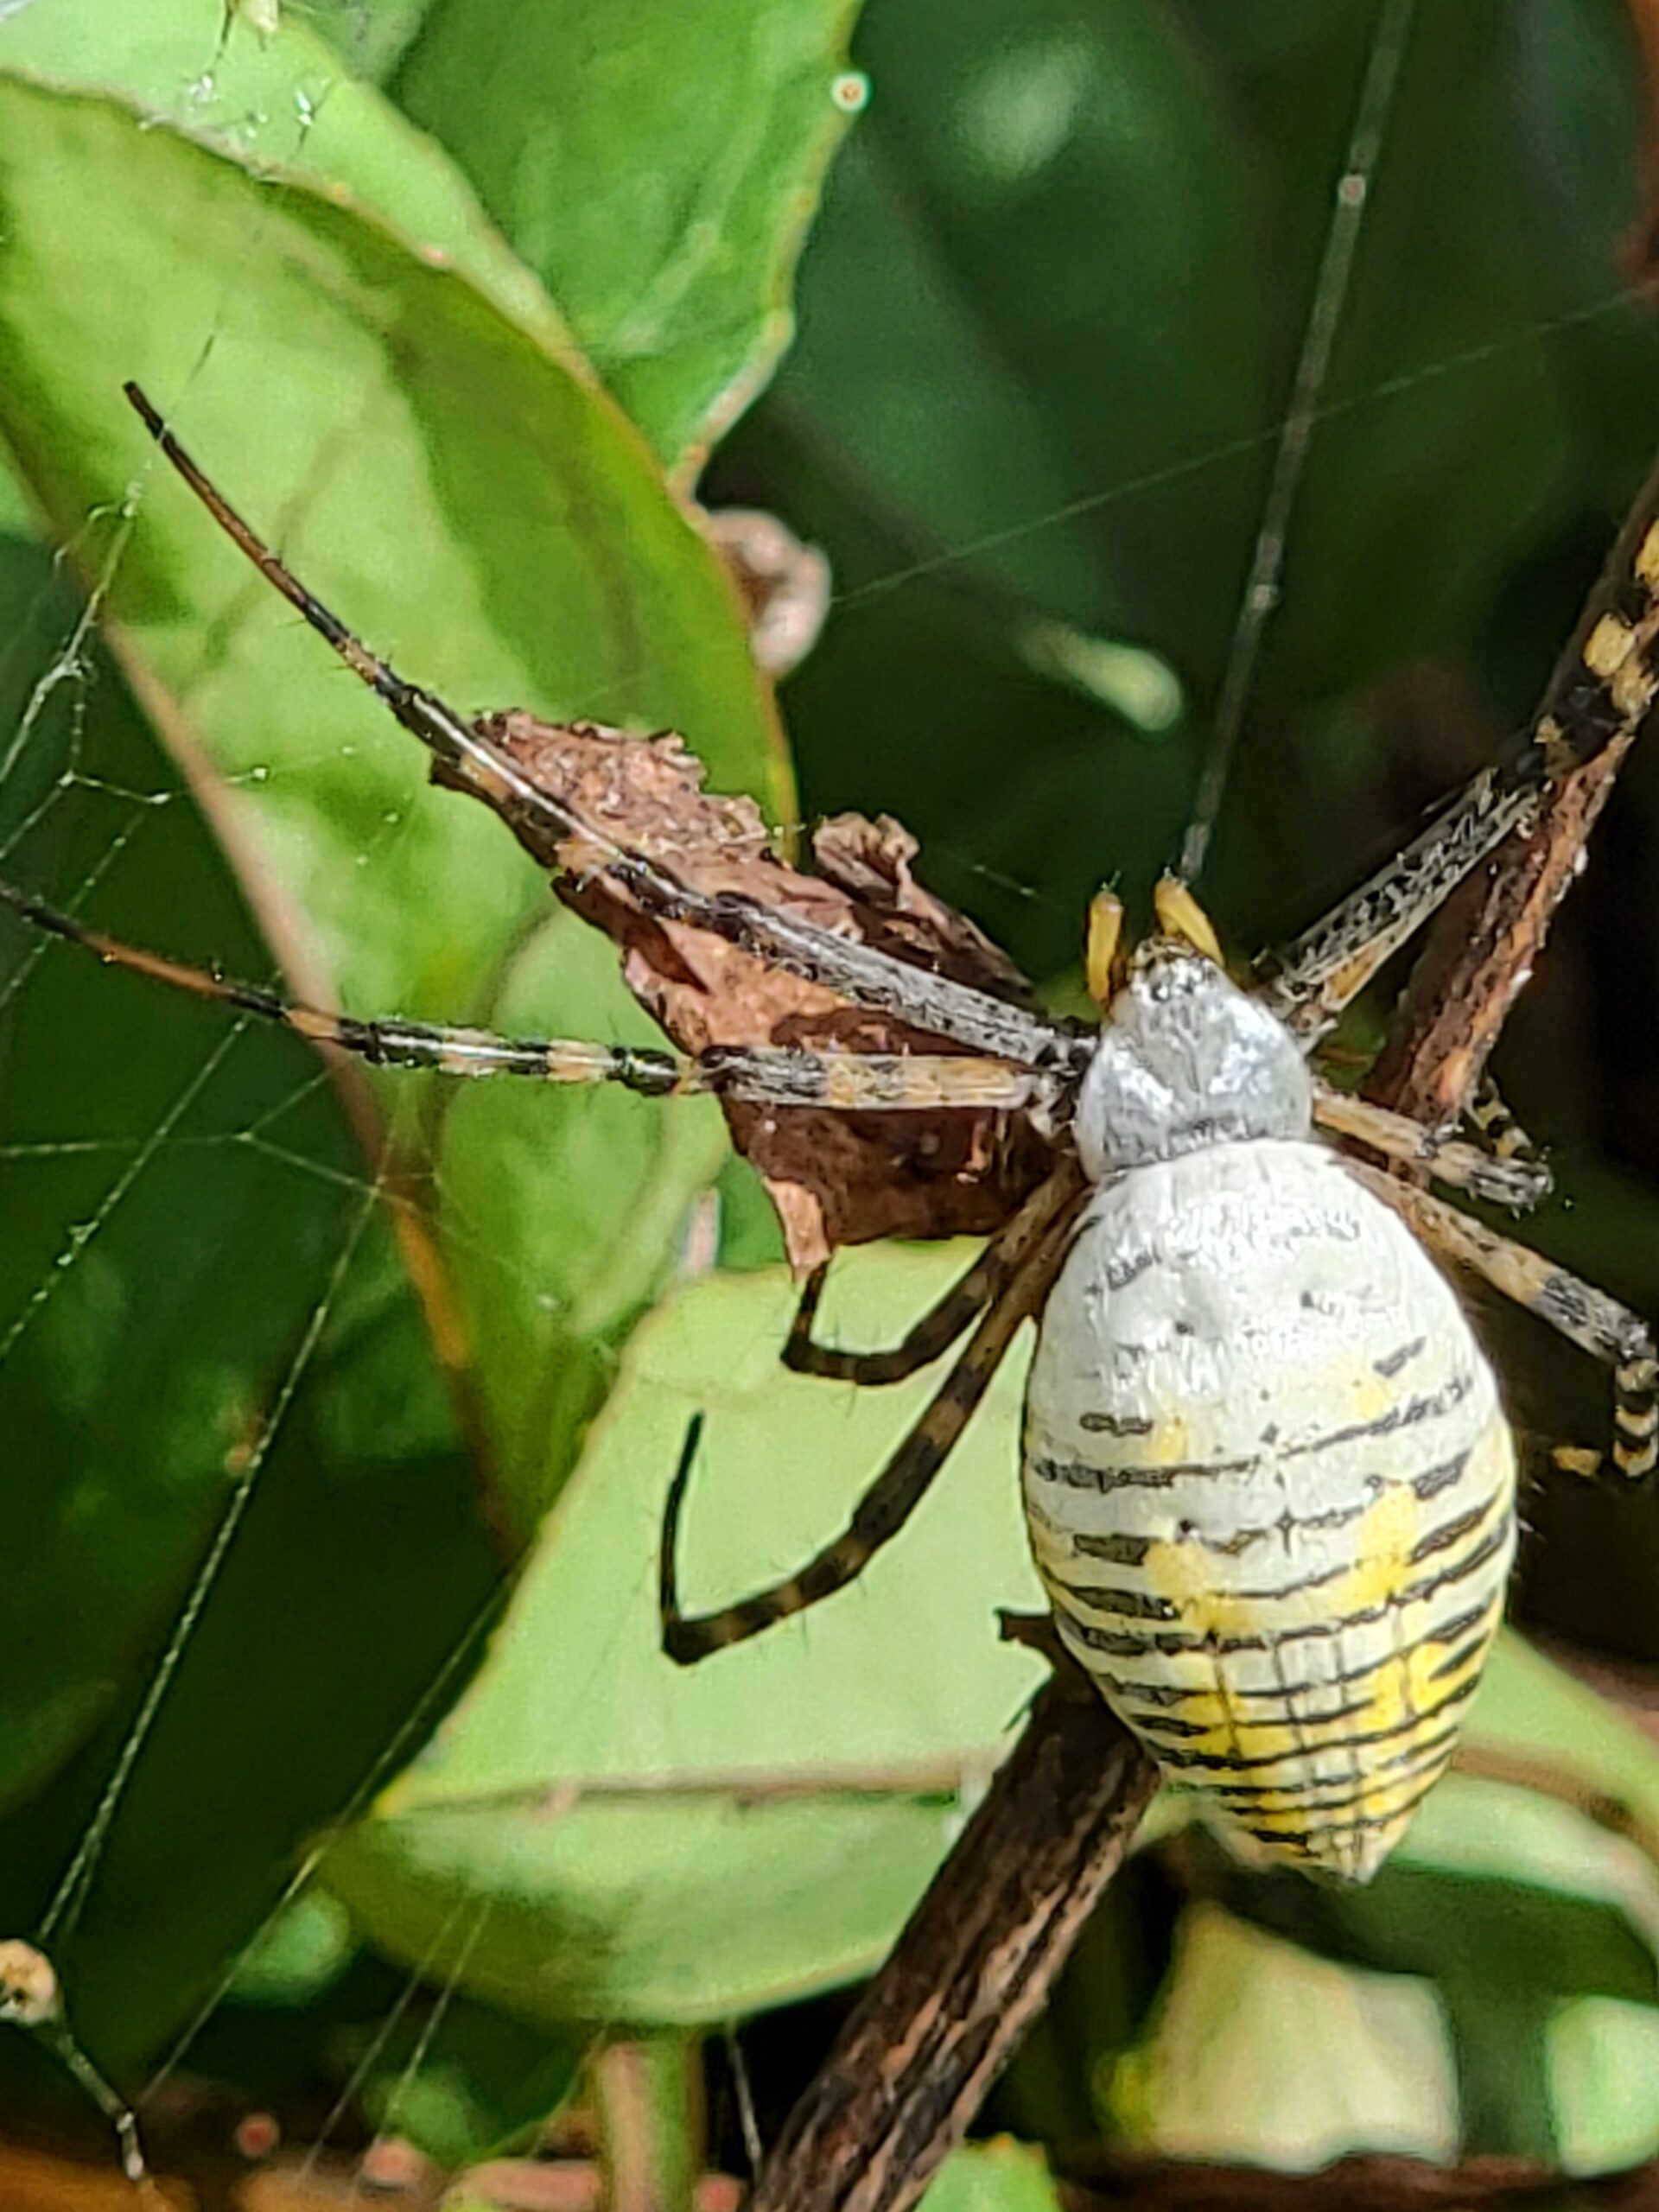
(835, 1179)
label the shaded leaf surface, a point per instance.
(1098, 230)
(625, 1907)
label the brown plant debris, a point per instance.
(835, 1178)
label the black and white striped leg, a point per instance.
(889, 1502)
(1586, 1317)
(1598, 694)
(1488, 1113)
(766, 1075)
(938, 1329)
(1508, 1181)
(563, 839)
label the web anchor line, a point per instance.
(1260, 593)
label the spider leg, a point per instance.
(859, 972)
(889, 1502)
(1488, 1112)
(933, 1335)
(1599, 696)
(1586, 1317)
(1506, 1180)
(768, 1075)
(445, 732)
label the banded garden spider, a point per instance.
(1290, 1346)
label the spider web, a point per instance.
(290, 1399)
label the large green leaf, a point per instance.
(287, 100)
(1258, 2052)
(187, 1197)
(658, 171)
(680, 1896)
(432, 469)
(663, 189)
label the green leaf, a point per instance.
(208, 1242)
(287, 101)
(465, 2083)
(999, 2177)
(446, 481)
(1260, 2053)
(663, 197)
(732, 1861)
(1603, 2057)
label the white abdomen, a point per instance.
(1270, 1490)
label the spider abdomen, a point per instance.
(1271, 1491)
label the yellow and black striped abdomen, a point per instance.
(1271, 1491)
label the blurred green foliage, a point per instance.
(454, 298)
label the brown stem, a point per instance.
(1370, 2183)
(970, 1970)
(907, 2073)
(1482, 947)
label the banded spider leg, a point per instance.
(1586, 1317)
(1599, 694)
(976, 1021)
(1017, 1271)
(1006, 1057)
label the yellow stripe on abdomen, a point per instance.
(1279, 1544)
